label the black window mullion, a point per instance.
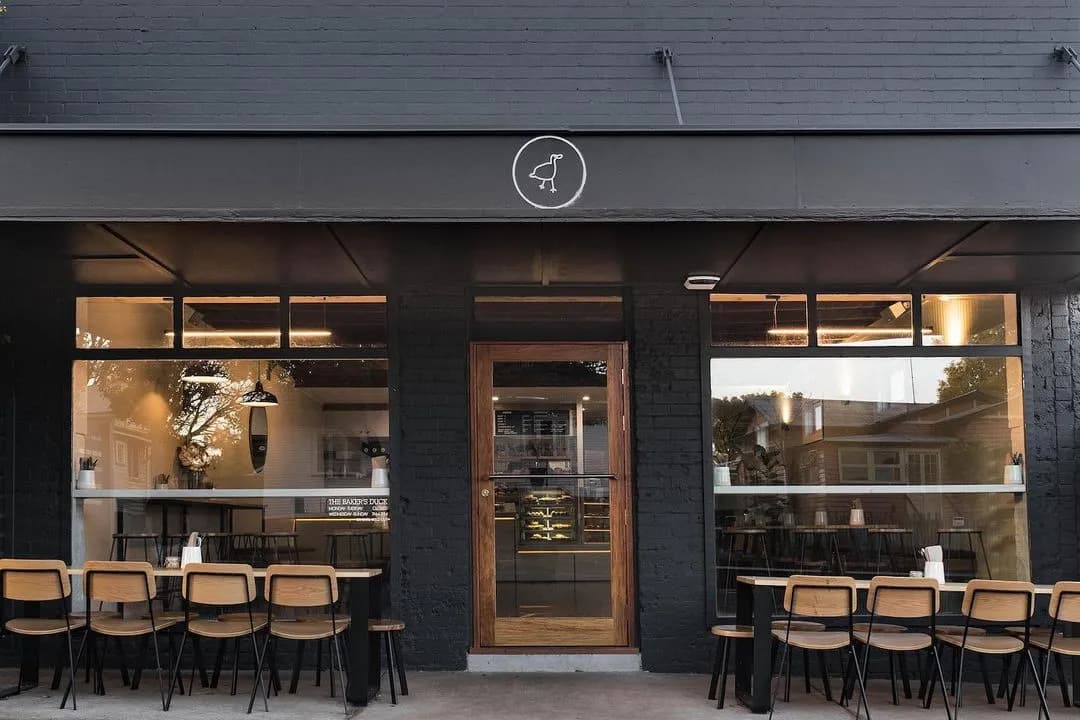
(284, 320)
(811, 320)
(178, 322)
(916, 319)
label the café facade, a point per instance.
(563, 386)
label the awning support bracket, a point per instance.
(1065, 54)
(12, 56)
(664, 56)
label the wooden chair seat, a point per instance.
(258, 617)
(739, 632)
(118, 627)
(338, 617)
(879, 628)
(814, 639)
(43, 626)
(307, 630)
(1063, 645)
(385, 625)
(1018, 631)
(225, 629)
(959, 630)
(984, 644)
(894, 641)
(798, 625)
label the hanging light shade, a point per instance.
(258, 397)
(205, 373)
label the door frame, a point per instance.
(482, 355)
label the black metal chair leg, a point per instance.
(728, 648)
(144, 648)
(1063, 683)
(1003, 681)
(235, 666)
(219, 660)
(825, 675)
(986, 679)
(294, 681)
(718, 660)
(892, 678)
(58, 667)
(390, 668)
(806, 670)
(400, 664)
(318, 663)
(905, 681)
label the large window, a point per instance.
(278, 457)
(848, 459)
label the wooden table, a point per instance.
(753, 657)
(364, 670)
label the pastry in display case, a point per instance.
(547, 516)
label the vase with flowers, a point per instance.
(196, 458)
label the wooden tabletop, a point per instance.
(342, 574)
(950, 587)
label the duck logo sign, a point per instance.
(549, 172)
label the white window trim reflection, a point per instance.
(869, 489)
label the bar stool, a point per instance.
(390, 630)
(744, 541)
(347, 540)
(724, 634)
(217, 547)
(822, 542)
(896, 543)
(119, 548)
(945, 537)
(272, 547)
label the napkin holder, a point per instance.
(192, 551)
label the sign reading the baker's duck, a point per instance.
(549, 172)
(364, 508)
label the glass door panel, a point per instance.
(553, 449)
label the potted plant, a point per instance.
(87, 467)
(196, 457)
(1014, 469)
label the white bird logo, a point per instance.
(545, 172)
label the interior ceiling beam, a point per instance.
(943, 255)
(739, 255)
(146, 256)
(106, 256)
(348, 254)
(1019, 253)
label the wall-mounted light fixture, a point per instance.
(1065, 54)
(701, 281)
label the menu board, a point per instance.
(532, 422)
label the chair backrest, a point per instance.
(901, 597)
(1065, 602)
(301, 585)
(820, 596)
(999, 600)
(218, 583)
(118, 581)
(35, 580)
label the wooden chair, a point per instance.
(1064, 608)
(724, 635)
(996, 601)
(907, 599)
(304, 586)
(40, 581)
(809, 596)
(219, 585)
(390, 629)
(800, 626)
(114, 581)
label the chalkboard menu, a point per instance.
(532, 422)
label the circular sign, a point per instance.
(549, 172)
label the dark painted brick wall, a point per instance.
(35, 404)
(1051, 374)
(667, 435)
(430, 516)
(523, 63)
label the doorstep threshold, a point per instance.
(553, 660)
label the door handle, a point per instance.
(485, 493)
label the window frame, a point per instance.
(813, 349)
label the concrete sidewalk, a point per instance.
(476, 696)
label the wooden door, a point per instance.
(551, 495)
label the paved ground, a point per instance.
(474, 696)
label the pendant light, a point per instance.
(205, 373)
(259, 397)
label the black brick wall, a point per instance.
(1051, 373)
(430, 510)
(667, 433)
(35, 405)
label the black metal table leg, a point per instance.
(753, 666)
(364, 671)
